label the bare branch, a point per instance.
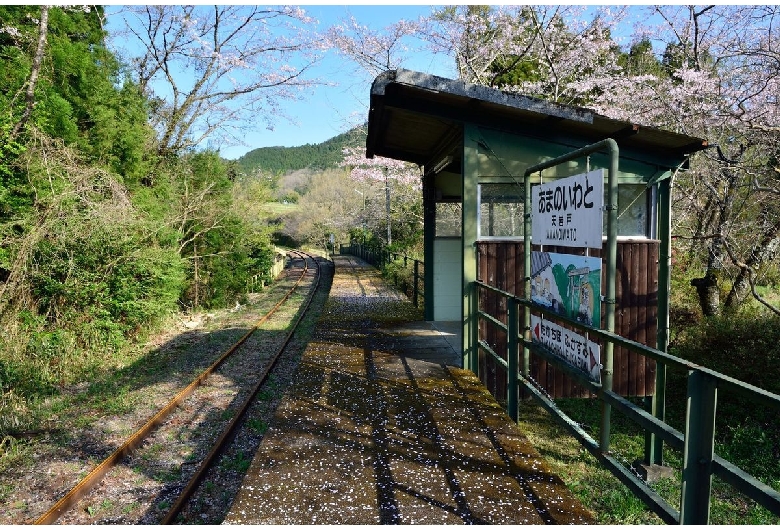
(208, 63)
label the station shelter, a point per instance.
(474, 145)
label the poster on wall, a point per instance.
(573, 348)
(569, 285)
(568, 212)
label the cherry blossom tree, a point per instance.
(372, 52)
(722, 66)
(713, 74)
(402, 189)
(207, 67)
(537, 50)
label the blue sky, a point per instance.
(328, 110)
(331, 109)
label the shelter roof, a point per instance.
(413, 116)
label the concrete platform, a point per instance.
(380, 427)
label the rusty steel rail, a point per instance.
(81, 489)
(227, 434)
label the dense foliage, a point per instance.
(102, 236)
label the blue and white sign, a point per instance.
(573, 348)
(569, 212)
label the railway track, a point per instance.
(227, 389)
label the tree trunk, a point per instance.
(764, 251)
(43, 29)
(707, 287)
(709, 294)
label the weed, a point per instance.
(85, 421)
(167, 475)
(258, 426)
(118, 402)
(152, 451)
(5, 491)
(238, 463)
(131, 507)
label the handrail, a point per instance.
(735, 385)
(713, 464)
(382, 257)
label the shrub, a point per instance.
(744, 345)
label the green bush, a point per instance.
(105, 283)
(744, 345)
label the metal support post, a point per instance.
(654, 444)
(611, 256)
(699, 448)
(470, 224)
(474, 329)
(512, 357)
(612, 231)
(416, 280)
(527, 207)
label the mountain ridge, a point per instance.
(321, 156)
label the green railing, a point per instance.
(700, 462)
(409, 276)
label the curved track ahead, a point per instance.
(136, 439)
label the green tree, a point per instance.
(57, 75)
(224, 245)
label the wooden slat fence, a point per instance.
(501, 265)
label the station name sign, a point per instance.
(568, 212)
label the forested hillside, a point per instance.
(108, 226)
(325, 155)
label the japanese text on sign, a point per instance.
(569, 346)
(568, 212)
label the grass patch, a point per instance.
(278, 208)
(168, 475)
(237, 462)
(5, 491)
(610, 501)
(257, 426)
(131, 507)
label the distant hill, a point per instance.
(283, 160)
